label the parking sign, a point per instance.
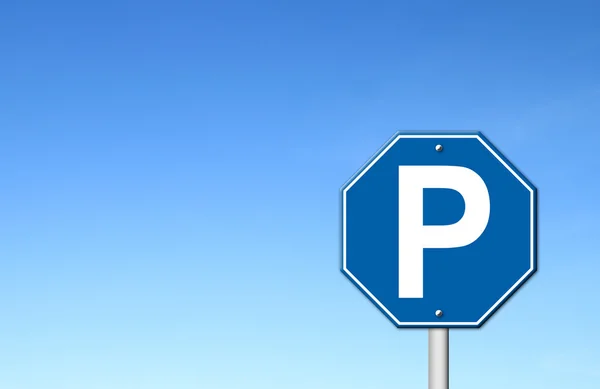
(438, 229)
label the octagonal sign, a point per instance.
(438, 229)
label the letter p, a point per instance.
(414, 236)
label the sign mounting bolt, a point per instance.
(439, 148)
(439, 313)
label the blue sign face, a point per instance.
(438, 229)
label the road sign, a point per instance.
(438, 229)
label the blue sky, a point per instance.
(170, 187)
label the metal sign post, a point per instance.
(438, 358)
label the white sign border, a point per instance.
(373, 161)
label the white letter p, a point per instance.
(414, 236)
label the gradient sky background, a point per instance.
(170, 177)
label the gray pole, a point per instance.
(438, 358)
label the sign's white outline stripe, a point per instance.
(438, 324)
